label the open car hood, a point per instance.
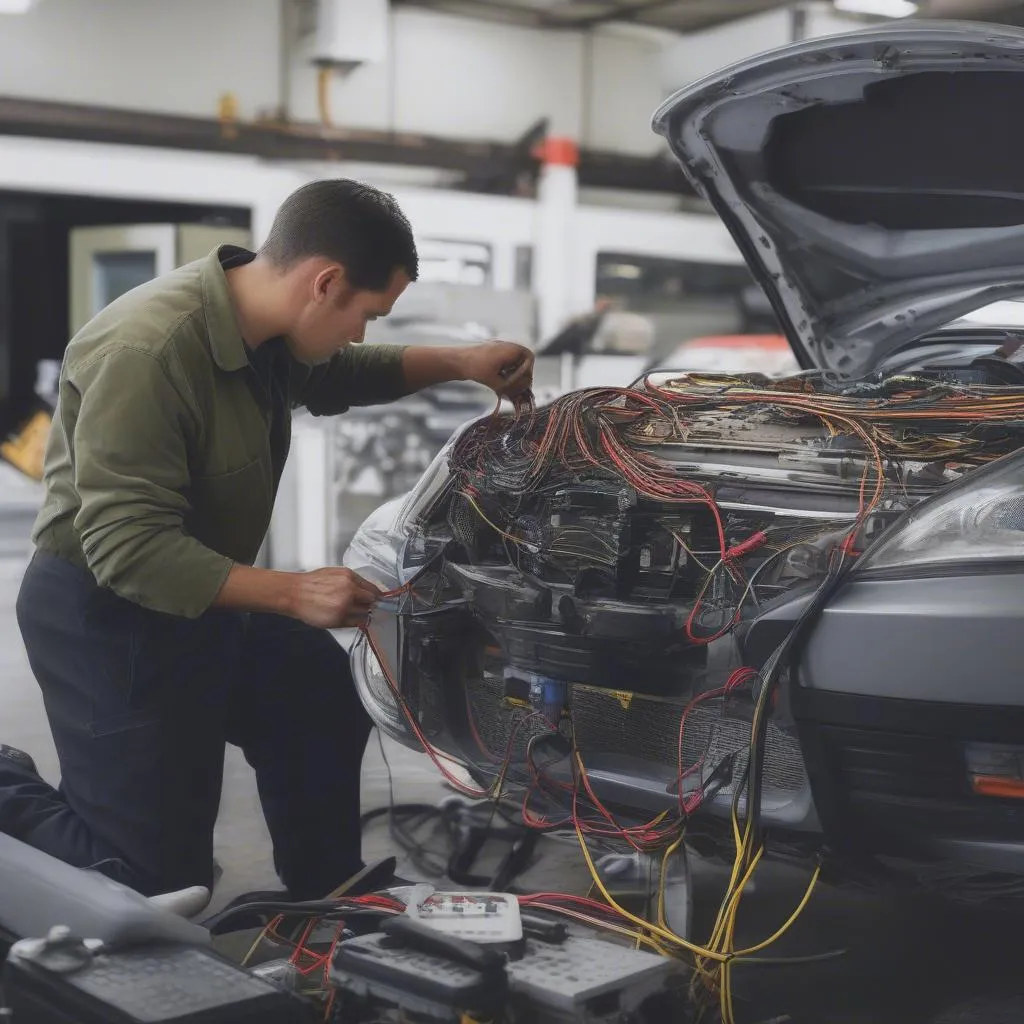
(873, 181)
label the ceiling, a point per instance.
(681, 15)
(677, 15)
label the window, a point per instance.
(120, 272)
(443, 261)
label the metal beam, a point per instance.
(313, 142)
(624, 13)
(567, 20)
(636, 173)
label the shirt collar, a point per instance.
(226, 342)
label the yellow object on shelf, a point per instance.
(227, 114)
(25, 449)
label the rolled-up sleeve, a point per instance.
(131, 444)
(358, 375)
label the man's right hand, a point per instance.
(333, 598)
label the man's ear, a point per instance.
(330, 283)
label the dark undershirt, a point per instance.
(269, 372)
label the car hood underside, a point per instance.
(874, 181)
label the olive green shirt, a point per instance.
(170, 435)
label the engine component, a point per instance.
(603, 581)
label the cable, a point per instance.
(650, 450)
(354, 906)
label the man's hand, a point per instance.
(333, 598)
(503, 366)
(327, 598)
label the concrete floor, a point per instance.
(907, 959)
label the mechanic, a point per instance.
(153, 638)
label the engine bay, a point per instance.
(606, 569)
(623, 532)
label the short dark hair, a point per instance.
(357, 225)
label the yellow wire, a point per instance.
(664, 933)
(497, 529)
(750, 951)
(256, 944)
(732, 902)
(663, 880)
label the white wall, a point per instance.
(171, 56)
(824, 20)
(625, 89)
(447, 76)
(463, 78)
(692, 57)
(701, 53)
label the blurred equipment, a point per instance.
(606, 330)
(38, 891)
(62, 978)
(386, 977)
(25, 448)
(770, 354)
(341, 35)
(375, 454)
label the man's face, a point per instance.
(336, 314)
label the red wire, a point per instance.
(477, 794)
(737, 679)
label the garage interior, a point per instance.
(138, 135)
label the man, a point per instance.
(152, 636)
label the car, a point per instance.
(769, 354)
(793, 602)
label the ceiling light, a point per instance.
(625, 270)
(15, 6)
(881, 8)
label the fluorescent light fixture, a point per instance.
(629, 271)
(881, 8)
(15, 6)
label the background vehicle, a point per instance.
(733, 353)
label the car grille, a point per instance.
(492, 722)
(648, 729)
(643, 728)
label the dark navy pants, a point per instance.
(141, 705)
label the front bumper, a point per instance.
(890, 776)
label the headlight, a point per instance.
(376, 694)
(376, 548)
(388, 548)
(978, 520)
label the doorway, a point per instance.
(63, 257)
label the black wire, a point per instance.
(781, 660)
(405, 820)
(307, 908)
(785, 961)
(402, 833)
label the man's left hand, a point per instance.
(503, 366)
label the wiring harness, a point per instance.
(614, 507)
